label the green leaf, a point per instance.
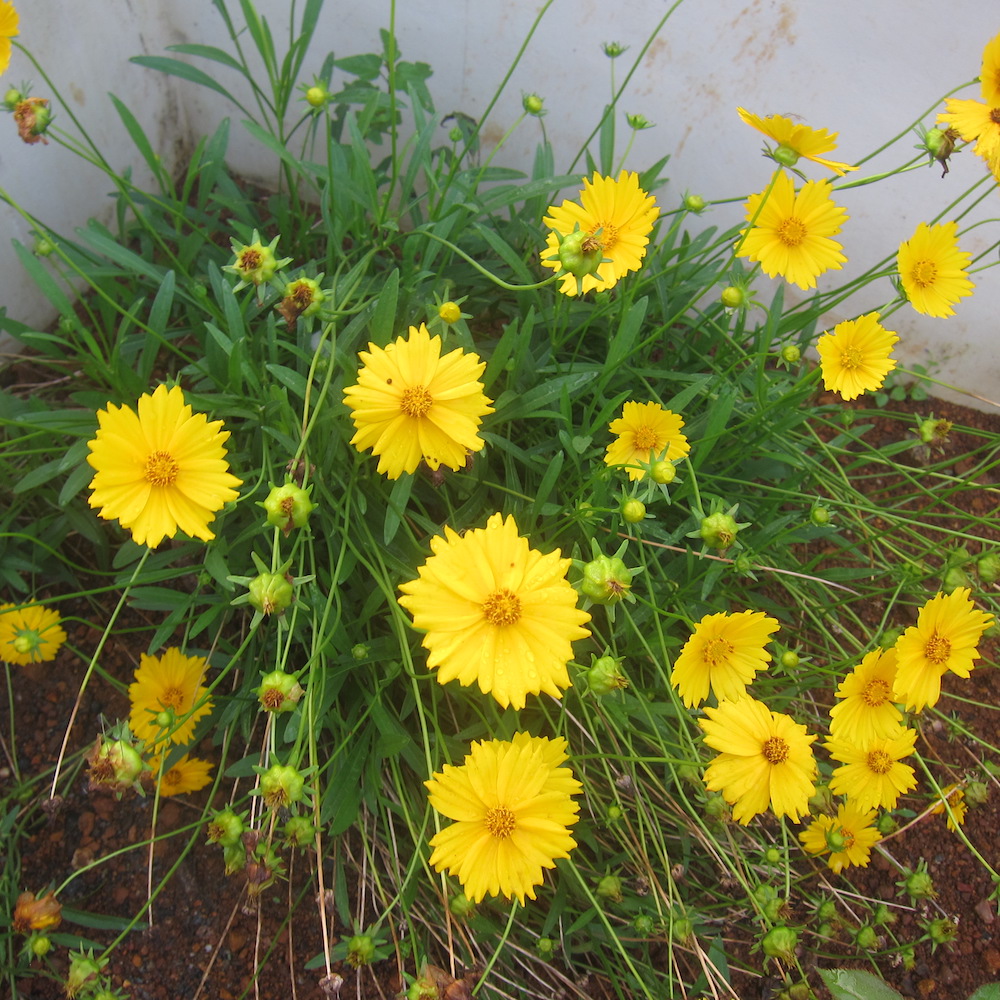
(854, 984)
(384, 317)
(174, 67)
(208, 52)
(991, 991)
(141, 141)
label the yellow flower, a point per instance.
(791, 234)
(849, 838)
(866, 710)
(8, 29)
(855, 357)
(168, 682)
(497, 612)
(932, 269)
(976, 122)
(186, 775)
(795, 141)
(871, 774)
(765, 759)
(989, 73)
(945, 638)
(411, 404)
(31, 634)
(162, 470)
(646, 432)
(617, 217)
(955, 796)
(512, 806)
(724, 653)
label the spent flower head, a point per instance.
(254, 263)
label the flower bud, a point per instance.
(613, 49)
(603, 677)
(12, 98)
(317, 96)
(226, 828)
(580, 254)
(988, 567)
(882, 916)
(360, 950)
(663, 472)
(360, 651)
(885, 823)
(614, 814)
(533, 105)
(44, 247)
(789, 659)
(545, 947)
(820, 515)
(638, 122)
(976, 793)
(83, 967)
(827, 910)
(918, 884)
(606, 580)
(791, 354)
(278, 692)
(455, 135)
(694, 203)
(836, 841)
(450, 312)
(773, 856)
(39, 913)
(234, 856)
(610, 888)
(733, 297)
(39, 945)
(718, 531)
(866, 938)
(644, 925)
(940, 143)
(780, 942)
(281, 785)
(461, 906)
(300, 832)
(786, 156)
(115, 765)
(288, 507)
(633, 511)
(271, 592)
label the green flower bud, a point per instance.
(317, 96)
(835, 840)
(461, 906)
(954, 578)
(633, 511)
(827, 910)
(790, 354)
(820, 515)
(918, 884)
(606, 580)
(613, 49)
(909, 956)
(271, 592)
(360, 950)
(780, 942)
(882, 916)
(638, 122)
(450, 312)
(743, 564)
(533, 105)
(644, 925)
(682, 929)
(226, 828)
(234, 856)
(12, 98)
(976, 793)
(988, 567)
(580, 254)
(300, 832)
(733, 297)
(663, 472)
(934, 139)
(718, 531)
(694, 203)
(789, 659)
(866, 938)
(715, 807)
(885, 823)
(603, 677)
(610, 888)
(39, 945)
(545, 947)
(423, 988)
(786, 156)
(43, 247)
(281, 785)
(278, 692)
(614, 814)
(773, 856)
(360, 651)
(455, 135)
(83, 967)
(774, 910)
(889, 637)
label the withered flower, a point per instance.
(32, 116)
(37, 913)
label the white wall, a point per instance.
(864, 69)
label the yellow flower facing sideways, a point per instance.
(796, 141)
(791, 233)
(932, 269)
(616, 218)
(185, 775)
(511, 802)
(160, 470)
(765, 759)
(496, 612)
(412, 405)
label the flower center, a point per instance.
(924, 273)
(879, 762)
(645, 439)
(792, 232)
(161, 469)
(876, 693)
(172, 777)
(500, 822)
(249, 259)
(938, 649)
(716, 651)
(502, 607)
(995, 116)
(775, 750)
(602, 237)
(416, 401)
(172, 698)
(851, 358)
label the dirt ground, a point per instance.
(207, 936)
